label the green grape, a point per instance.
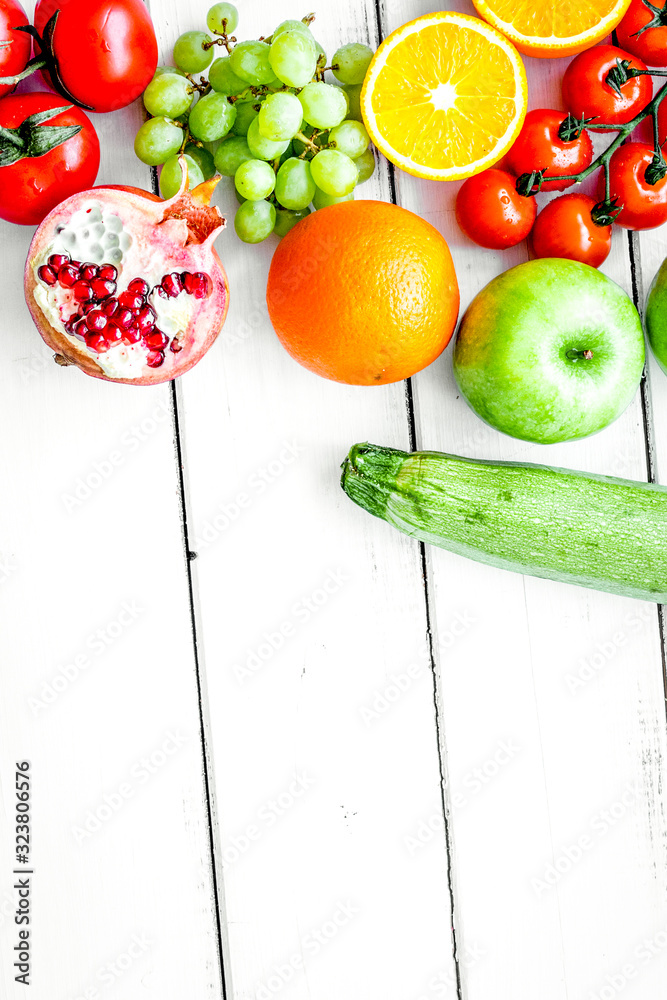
(230, 154)
(190, 54)
(212, 117)
(287, 219)
(202, 158)
(324, 106)
(255, 180)
(353, 93)
(320, 53)
(157, 140)
(334, 172)
(322, 200)
(264, 149)
(351, 62)
(365, 165)
(171, 175)
(293, 57)
(295, 186)
(351, 138)
(168, 94)
(289, 152)
(222, 78)
(280, 116)
(222, 19)
(255, 221)
(250, 61)
(159, 70)
(290, 26)
(246, 113)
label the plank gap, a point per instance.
(202, 715)
(381, 17)
(634, 250)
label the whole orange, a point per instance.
(363, 292)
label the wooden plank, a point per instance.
(559, 860)
(99, 683)
(308, 619)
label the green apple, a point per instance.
(550, 351)
(656, 316)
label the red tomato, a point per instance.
(491, 213)
(650, 44)
(564, 228)
(538, 146)
(105, 49)
(14, 45)
(31, 187)
(586, 93)
(644, 205)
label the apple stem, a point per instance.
(575, 355)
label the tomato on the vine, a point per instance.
(565, 228)
(104, 50)
(14, 45)
(635, 35)
(491, 213)
(587, 94)
(538, 147)
(644, 204)
(30, 186)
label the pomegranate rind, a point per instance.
(194, 256)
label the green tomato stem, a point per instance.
(623, 132)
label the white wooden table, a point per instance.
(447, 781)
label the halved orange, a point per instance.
(550, 28)
(445, 96)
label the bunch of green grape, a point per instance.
(264, 116)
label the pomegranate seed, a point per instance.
(109, 307)
(108, 272)
(97, 342)
(56, 260)
(175, 346)
(80, 329)
(113, 335)
(198, 284)
(123, 318)
(172, 284)
(77, 264)
(130, 300)
(161, 292)
(87, 306)
(96, 321)
(146, 319)
(103, 288)
(68, 275)
(131, 336)
(157, 340)
(89, 271)
(82, 291)
(155, 359)
(139, 287)
(47, 274)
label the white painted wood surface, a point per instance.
(333, 859)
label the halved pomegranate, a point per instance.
(126, 286)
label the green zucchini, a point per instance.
(594, 531)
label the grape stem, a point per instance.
(313, 147)
(227, 40)
(529, 184)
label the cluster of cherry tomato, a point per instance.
(493, 214)
(100, 56)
